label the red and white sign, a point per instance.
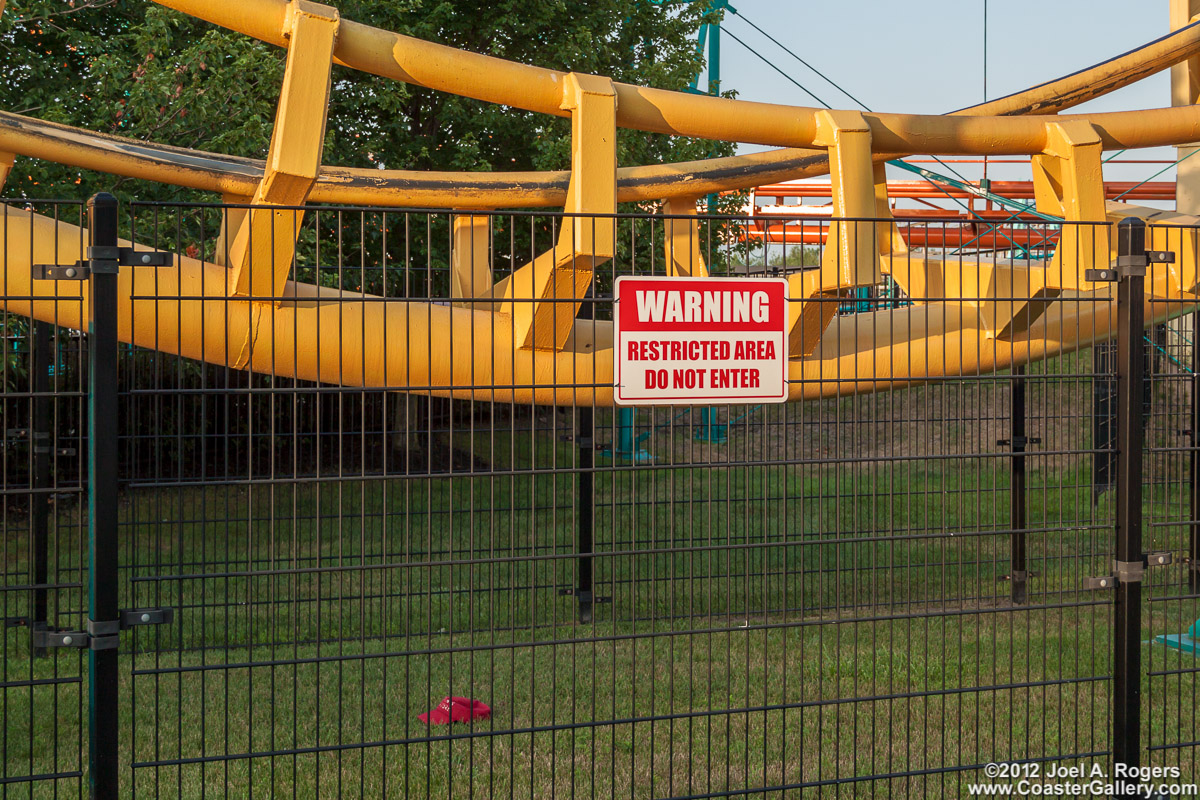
(688, 341)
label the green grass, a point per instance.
(375, 699)
(399, 592)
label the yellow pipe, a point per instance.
(239, 177)
(315, 333)
(352, 339)
(235, 176)
(537, 89)
(358, 340)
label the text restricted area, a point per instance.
(686, 341)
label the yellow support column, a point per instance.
(852, 250)
(891, 243)
(260, 256)
(1009, 298)
(565, 273)
(1068, 181)
(6, 159)
(471, 261)
(1185, 91)
(592, 101)
(232, 220)
(681, 239)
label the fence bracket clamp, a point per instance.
(1132, 266)
(20, 436)
(102, 634)
(1130, 571)
(48, 639)
(1101, 582)
(100, 261)
(133, 617)
(1161, 559)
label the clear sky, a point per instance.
(927, 56)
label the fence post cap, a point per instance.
(102, 199)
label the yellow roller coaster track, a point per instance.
(518, 328)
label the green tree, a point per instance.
(802, 256)
(135, 69)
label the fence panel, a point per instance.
(1171, 728)
(43, 535)
(357, 507)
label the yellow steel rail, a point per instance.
(965, 318)
(496, 80)
(344, 337)
(235, 176)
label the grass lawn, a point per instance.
(769, 626)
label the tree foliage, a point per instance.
(136, 69)
(141, 71)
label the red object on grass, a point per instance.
(456, 709)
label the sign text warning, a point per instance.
(688, 341)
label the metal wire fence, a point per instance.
(871, 592)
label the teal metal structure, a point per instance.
(1183, 642)
(709, 429)
(627, 446)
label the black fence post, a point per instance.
(103, 625)
(1018, 573)
(584, 522)
(1131, 251)
(585, 440)
(1194, 464)
(39, 504)
(1103, 418)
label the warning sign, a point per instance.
(688, 341)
